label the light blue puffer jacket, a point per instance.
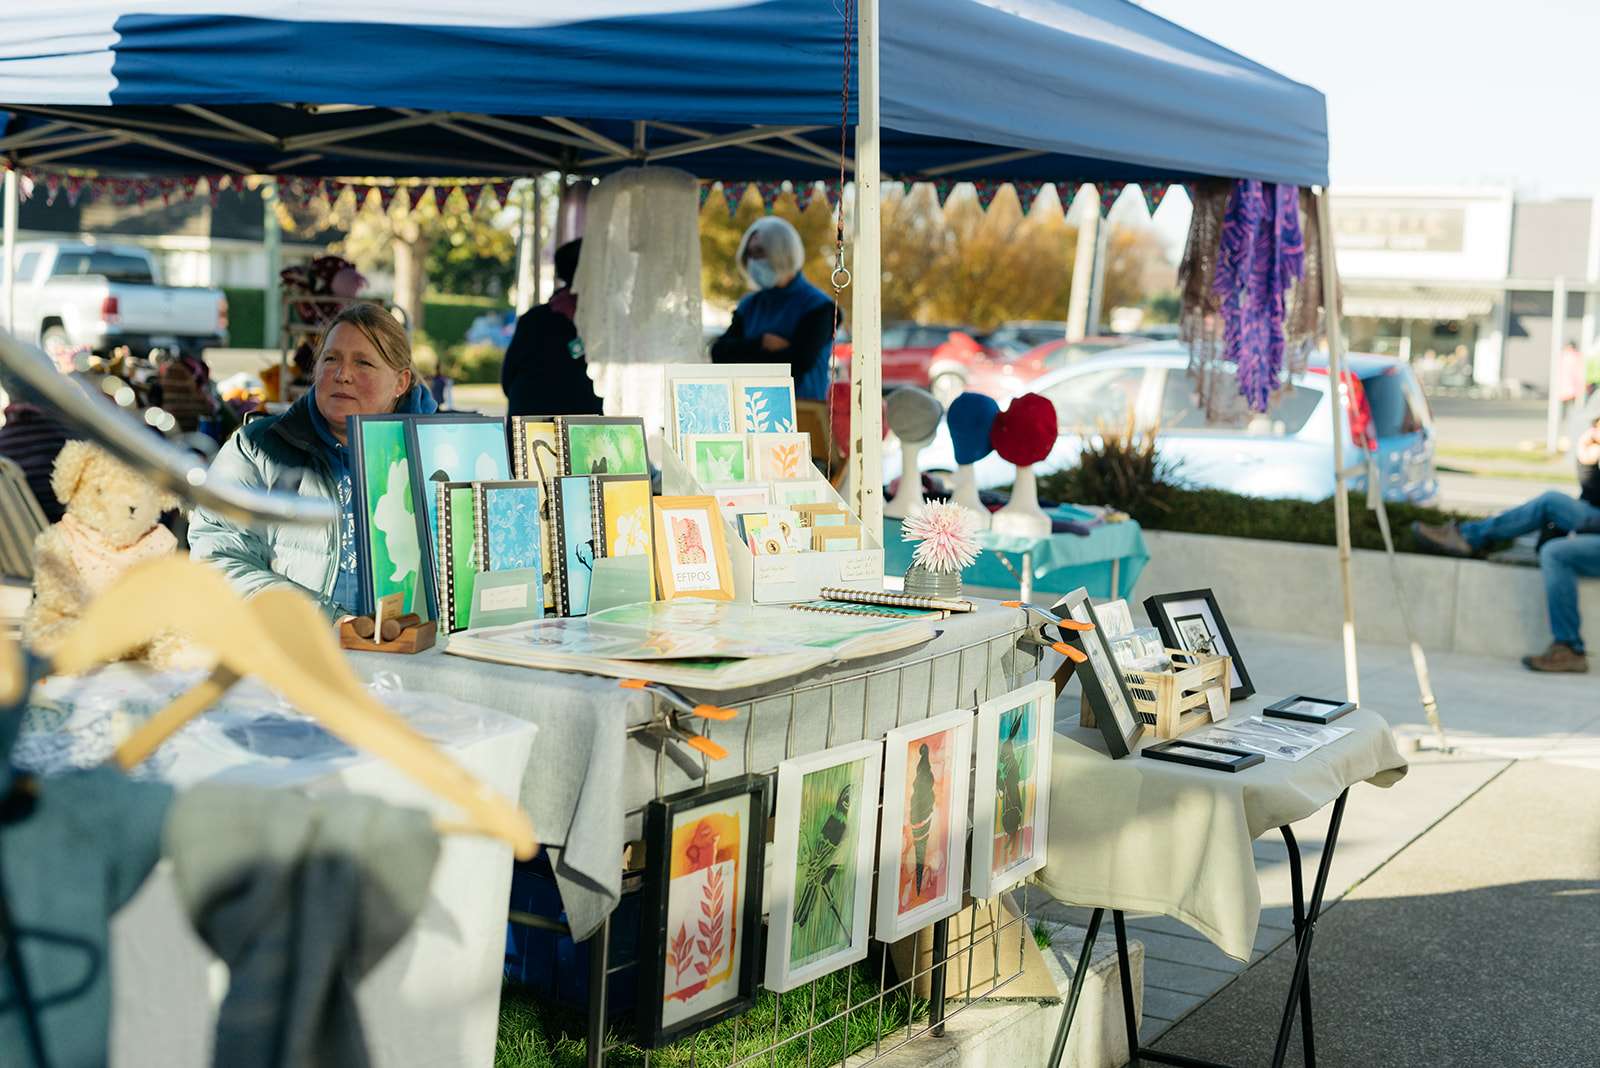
(283, 454)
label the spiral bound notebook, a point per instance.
(896, 600)
(454, 547)
(577, 540)
(877, 611)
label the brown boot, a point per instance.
(1446, 540)
(1560, 657)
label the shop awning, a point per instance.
(1368, 301)
(1025, 89)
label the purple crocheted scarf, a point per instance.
(1263, 254)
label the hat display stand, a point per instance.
(971, 420)
(913, 414)
(966, 495)
(1024, 434)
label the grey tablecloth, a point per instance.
(598, 762)
(1152, 836)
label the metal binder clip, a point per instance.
(1037, 636)
(678, 705)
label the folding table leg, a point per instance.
(1302, 958)
(599, 958)
(1308, 1039)
(936, 980)
(1074, 989)
(1124, 969)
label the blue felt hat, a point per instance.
(971, 417)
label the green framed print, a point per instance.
(717, 457)
(391, 541)
(602, 445)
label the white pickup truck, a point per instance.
(73, 293)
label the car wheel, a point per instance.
(947, 386)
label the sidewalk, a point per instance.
(1495, 714)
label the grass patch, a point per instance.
(1516, 474)
(1043, 936)
(1478, 452)
(533, 1035)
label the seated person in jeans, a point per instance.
(1561, 559)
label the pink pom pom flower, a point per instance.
(946, 535)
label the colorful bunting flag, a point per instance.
(1067, 192)
(705, 191)
(986, 191)
(770, 192)
(1109, 192)
(1154, 194)
(502, 193)
(1027, 193)
(803, 193)
(732, 196)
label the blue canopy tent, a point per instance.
(1054, 90)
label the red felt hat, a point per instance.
(1025, 432)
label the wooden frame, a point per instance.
(898, 823)
(1178, 615)
(858, 803)
(990, 811)
(1104, 686)
(718, 585)
(749, 799)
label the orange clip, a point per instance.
(706, 746)
(1011, 604)
(716, 712)
(1069, 652)
(633, 684)
(1073, 624)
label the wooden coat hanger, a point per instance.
(282, 639)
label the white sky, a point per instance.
(1433, 92)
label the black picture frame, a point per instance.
(1202, 755)
(654, 938)
(1103, 683)
(1171, 613)
(1328, 709)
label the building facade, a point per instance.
(1463, 282)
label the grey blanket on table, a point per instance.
(590, 777)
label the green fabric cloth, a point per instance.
(1061, 562)
(301, 899)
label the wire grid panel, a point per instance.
(835, 711)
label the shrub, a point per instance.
(1123, 469)
(474, 363)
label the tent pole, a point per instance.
(866, 319)
(9, 303)
(272, 246)
(528, 249)
(1558, 332)
(1341, 499)
(1083, 268)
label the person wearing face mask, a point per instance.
(363, 367)
(787, 319)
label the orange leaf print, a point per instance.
(786, 461)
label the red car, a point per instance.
(918, 354)
(1004, 379)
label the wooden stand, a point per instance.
(411, 640)
(1172, 703)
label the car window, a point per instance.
(1102, 397)
(928, 337)
(111, 266)
(1065, 355)
(1393, 414)
(26, 265)
(1288, 414)
(894, 337)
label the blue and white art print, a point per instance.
(703, 406)
(465, 448)
(511, 527)
(766, 405)
(576, 517)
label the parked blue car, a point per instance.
(1287, 452)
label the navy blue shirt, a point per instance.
(798, 312)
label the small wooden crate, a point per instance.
(411, 640)
(1172, 703)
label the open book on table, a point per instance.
(703, 645)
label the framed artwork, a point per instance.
(1011, 811)
(602, 445)
(766, 405)
(507, 515)
(922, 846)
(1191, 621)
(452, 448)
(625, 511)
(702, 406)
(792, 492)
(576, 546)
(691, 549)
(1103, 684)
(736, 497)
(820, 904)
(780, 456)
(391, 544)
(717, 457)
(533, 447)
(699, 951)
(456, 547)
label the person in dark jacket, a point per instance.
(787, 319)
(545, 370)
(30, 438)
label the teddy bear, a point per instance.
(111, 523)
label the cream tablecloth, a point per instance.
(1152, 836)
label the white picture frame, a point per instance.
(718, 458)
(765, 405)
(992, 874)
(894, 920)
(791, 893)
(781, 457)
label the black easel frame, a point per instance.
(1305, 924)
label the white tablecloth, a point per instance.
(433, 1002)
